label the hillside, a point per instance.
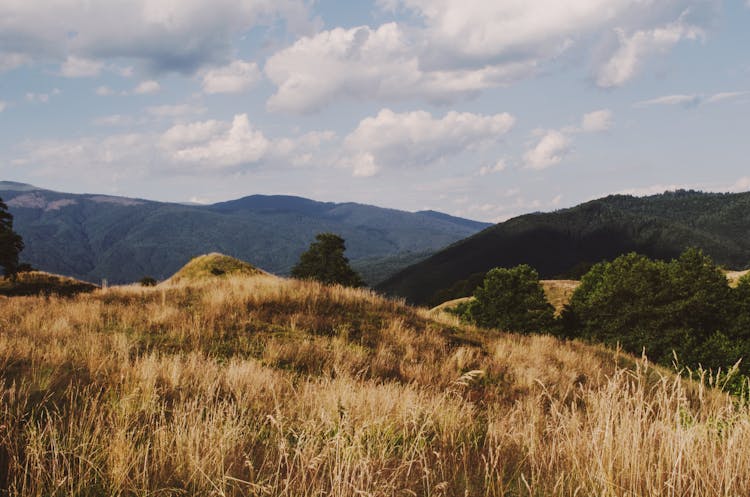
(41, 283)
(257, 385)
(91, 237)
(564, 242)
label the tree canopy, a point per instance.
(11, 243)
(324, 261)
(511, 300)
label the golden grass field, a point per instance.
(262, 386)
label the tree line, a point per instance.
(682, 311)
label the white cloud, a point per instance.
(367, 63)
(114, 120)
(77, 67)
(237, 77)
(104, 91)
(3, 105)
(693, 100)
(215, 144)
(624, 63)
(195, 148)
(41, 98)
(499, 166)
(553, 145)
(549, 150)
(728, 95)
(165, 35)
(417, 138)
(171, 111)
(456, 48)
(147, 87)
(597, 121)
(11, 60)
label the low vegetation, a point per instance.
(212, 265)
(41, 283)
(255, 385)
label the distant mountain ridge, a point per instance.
(91, 236)
(565, 241)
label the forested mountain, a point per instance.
(122, 239)
(567, 241)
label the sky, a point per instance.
(484, 109)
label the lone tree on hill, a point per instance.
(11, 243)
(324, 261)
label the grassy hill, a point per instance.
(91, 237)
(258, 385)
(41, 283)
(565, 242)
(212, 266)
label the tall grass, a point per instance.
(261, 386)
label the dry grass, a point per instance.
(260, 386)
(558, 292)
(735, 276)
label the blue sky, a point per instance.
(483, 109)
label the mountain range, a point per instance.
(94, 237)
(566, 242)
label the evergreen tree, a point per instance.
(11, 243)
(324, 261)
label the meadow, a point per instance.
(262, 386)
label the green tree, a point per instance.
(684, 306)
(511, 300)
(324, 261)
(11, 243)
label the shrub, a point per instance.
(511, 300)
(147, 281)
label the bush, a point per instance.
(685, 306)
(147, 281)
(511, 300)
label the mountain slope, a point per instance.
(121, 239)
(660, 226)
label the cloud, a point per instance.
(693, 100)
(11, 60)
(172, 111)
(194, 148)
(147, 87)
(3, 105)
(365, 63)
(455, 49)
(41, 98)
(553, 145)
(163, 35)
(550, 150)
(215, 144)
(104, 91)
(417, 138)
(115, 120)
(499, 166)
(624, 63)
(237, 77)
(597, 121)
(77, 67)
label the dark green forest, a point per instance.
(566, 243)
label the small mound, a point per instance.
(41, 283)
(212, 266)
